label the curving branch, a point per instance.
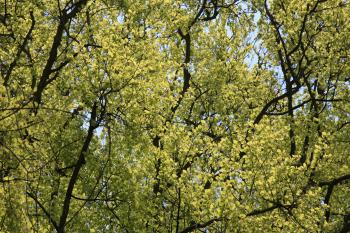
(263, 112)
(48, 215)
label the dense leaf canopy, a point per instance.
(174, 116)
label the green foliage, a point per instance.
(174, 116)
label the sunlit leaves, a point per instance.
(174, 116)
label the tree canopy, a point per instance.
(174, 116)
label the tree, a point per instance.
(174, 116)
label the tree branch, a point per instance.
(47, 71)
(53, 222)
(81, 161)
(20, 50)
(200, 225)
